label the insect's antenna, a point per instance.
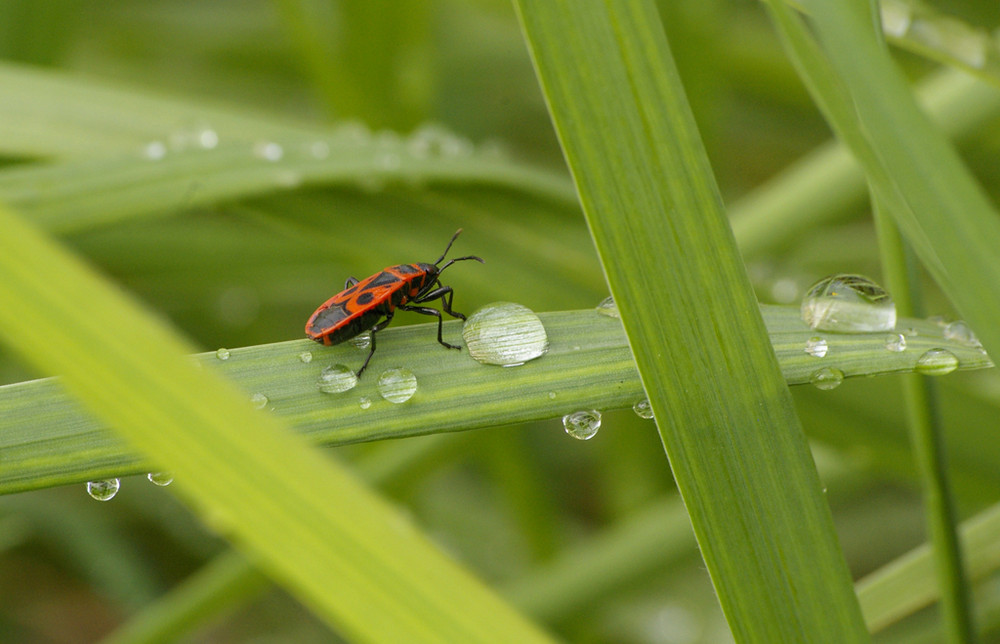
(448, 247)
(459, 259)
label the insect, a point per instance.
(369, 304)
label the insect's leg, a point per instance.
(378, 327)
(426, 310)
(445, 294)
(351, 281)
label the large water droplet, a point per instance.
(643, 409)
(162, 479)
(222, 354)
(937, 362)
(817, 347)
(582, 425)
(505, 334)
(397, 385)
(608, 307)
(895, 342)
(336, 379)
(103, 490)
(848, 303)
(827, 378)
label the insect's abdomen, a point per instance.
(360, 307)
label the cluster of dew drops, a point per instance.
(847, 303)
(509, 335)
(293, 161)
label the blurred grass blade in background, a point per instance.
(725, 414)
(335, 544)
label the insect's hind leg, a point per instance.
(426, 310)
(378, 327)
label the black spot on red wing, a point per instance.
(364, 298)
(406, 269)
(384, 278)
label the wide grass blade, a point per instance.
(339, 547)
(724, 413)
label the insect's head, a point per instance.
(457, 259)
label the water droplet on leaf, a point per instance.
(848, 303)
(505, 334)
(816, 347)
(937, 362)
(397, 385)
(827, 378)
(582, 425)
(103, 490)
(336, 379)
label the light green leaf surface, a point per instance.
(354, 561)
(725, 415)
(48, 439)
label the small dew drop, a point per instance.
(895, 342)
(162, 479)
(103, 490)
(608, 307)
(207, 138)
(785, 290)
(643, 409)
(364, 402)
(939, 320)
(154, 150)
(354, 132)
(306, 357)
(222, 354)
(582, 425)
(552, 395)
(896, 18)
(937, 362)
(362, 341)
(387, 160)
(288, 179)
(336, 379)
(505, 334)
(848, 303)
(960, 332)
(397, 385)
(827, 378)
(259, 401)
(817, 347)
(319, 150)
(268, 151)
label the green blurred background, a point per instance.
(506, 502)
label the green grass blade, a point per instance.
(913, 169)
(725, 416)
(48, 439)
(924, 420)
(351, 559)
(908, 583)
